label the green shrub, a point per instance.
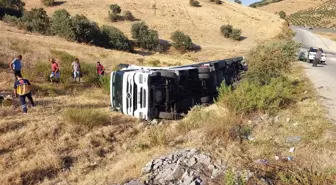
(238, 1)
(145, 37)
(48, 2)
(36, 20)
(250, 97)
(182, 42)
(235, 34)
(229, 32)
(115, 17)
(86, 117)
(104, 83)
(139, 29)
(194, 3)
(128, 16)
(153, 63)
(226, 30)
(115, 39)
(218, 1)
(85, 30)
(11, 7)
(62, 25)
(271, 60)
(115, 9)
(282, 14)
(11, 20)
(265, 86)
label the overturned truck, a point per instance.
(169, 92)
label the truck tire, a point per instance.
(205, 99)
(166, 115)
(205, 104)
(203, 70)
(168, 74)
(204, 76)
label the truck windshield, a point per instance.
(117, 89)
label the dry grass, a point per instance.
(331, 36)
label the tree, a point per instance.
(13, 4)
(48, 2)
(282, 14)
(235, 34)
(85, 30)
(115, 8)
(182, 42)
(36, 20)
(194, 3)
(115, 39)
(62, 24)
(238, 1)
(11, 7)
(145, 37)
(139, 29)
(226, 30)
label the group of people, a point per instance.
(76, 70)
(22, 86)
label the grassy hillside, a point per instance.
(321, 16)
(202, 24)
(71, 137)
(291, 6)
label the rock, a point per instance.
(191, 162)
(147, 168)
(164, 176)
(183, 167)
(134, 182)
(202, 158)
(288, 120)
(276, 119)
(261, 161)
(264, 117)
(154, 122)
(293, 139)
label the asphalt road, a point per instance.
(323, 76)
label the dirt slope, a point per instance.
(290, 6)
(202, 23)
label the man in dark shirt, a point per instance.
(16, 66)
(317, 57)
(22, 88)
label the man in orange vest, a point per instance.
(22, 88)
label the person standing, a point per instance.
(100, 69)
(76, 69)
(55, 72)
(16, 66)
(317, 57)
(22, 89)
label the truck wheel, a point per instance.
(205, 104)
(168, 74)
(205, 99)
(204, 76)
(166, 115)
(203, 70)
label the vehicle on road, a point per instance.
(311, 55)
(170, 92)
